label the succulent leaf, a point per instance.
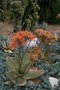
(33, 73)
(12, 64)
(7, 82)
(25, 62)
(17, 62)
(11, 76)
(21, 82)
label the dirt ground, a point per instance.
(6, 28)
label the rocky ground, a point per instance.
(52, 72)
(6, 28)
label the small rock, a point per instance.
(53, 81)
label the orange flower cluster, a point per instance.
(28, 35)
(19, 39)
(46, 35)
(34, 53)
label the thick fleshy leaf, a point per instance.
(11, 76)
(33, 73)
(8, 51)
(12, 64)
(25, 62)
(22, 82)
(7, 82)
(33, 82)
(17, 62)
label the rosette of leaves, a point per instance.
(20, 70)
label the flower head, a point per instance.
(20, 38)
(34, 53)
(28, 34)
(45, 35)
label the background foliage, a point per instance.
(26, 13)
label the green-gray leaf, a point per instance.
(12, 64)
(25, 62)
(7, 82)
(33, 73)
(11, 76)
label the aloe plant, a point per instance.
(20, 70)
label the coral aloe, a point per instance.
(21, 67)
